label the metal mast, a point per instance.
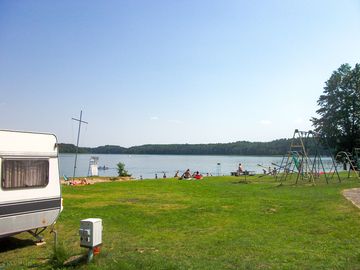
(78, 137)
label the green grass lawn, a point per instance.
(215, 223)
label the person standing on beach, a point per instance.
(241, 169)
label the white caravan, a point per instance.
(30, 193)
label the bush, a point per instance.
(121, 170)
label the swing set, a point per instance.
(350, 161)
(298, 161)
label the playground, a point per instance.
(304, 161)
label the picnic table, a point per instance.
(249, 173)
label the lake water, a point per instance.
(147, 166)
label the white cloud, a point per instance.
(154, 118)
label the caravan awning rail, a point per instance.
(17, 154)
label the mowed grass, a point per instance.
(215, 223)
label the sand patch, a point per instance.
(353, 195)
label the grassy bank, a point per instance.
(215, 223)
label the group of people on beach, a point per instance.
(83, 181)
(270, 171)
(187, 175)
(164, 175)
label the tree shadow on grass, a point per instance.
(12, 243)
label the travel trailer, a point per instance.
(30, 193)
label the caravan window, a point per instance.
(24, 173)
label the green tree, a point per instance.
(121, 169)
(339, 113)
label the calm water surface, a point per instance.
(147, 166)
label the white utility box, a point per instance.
(90, 232)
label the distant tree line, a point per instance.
(276, 147)
(106, 149)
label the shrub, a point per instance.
(121, 169)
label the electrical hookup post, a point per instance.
(91, 236)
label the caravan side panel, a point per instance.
(24, 205)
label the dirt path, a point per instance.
(353, 195)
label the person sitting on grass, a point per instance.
(186, 174)
(198, 176)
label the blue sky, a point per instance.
(170, 71)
